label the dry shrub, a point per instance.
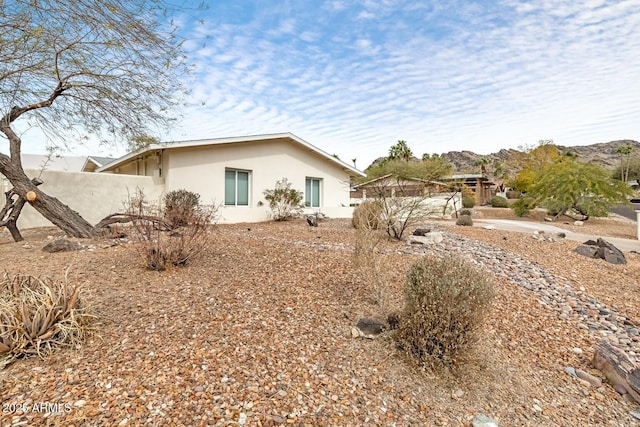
(285, 202)
(158, 243)
(367, 215)
(447, 302)
(180, 206)
(38, 315)
(464, 220)
(367, 258)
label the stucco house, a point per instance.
(234, 172)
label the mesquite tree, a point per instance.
(105, 68)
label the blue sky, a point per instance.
(353, 77)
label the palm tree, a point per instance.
(400, 151)
(482, 161)
(625, 152)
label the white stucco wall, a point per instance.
(92, 195)
(202, 170)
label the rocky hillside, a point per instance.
(603, 154)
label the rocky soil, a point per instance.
(257, 332)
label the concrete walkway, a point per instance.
(625, 245)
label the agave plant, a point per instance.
(37, 315)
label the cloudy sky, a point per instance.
(354, 76)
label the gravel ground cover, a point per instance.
(257, 332)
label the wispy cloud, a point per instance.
(354, 77)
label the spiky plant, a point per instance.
(38, 315)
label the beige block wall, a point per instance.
(202, 170)
(92, 195)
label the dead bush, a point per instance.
(367, 215)
(447, 301)
(38, 315)
(158, 244)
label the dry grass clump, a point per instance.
(447, 301)
(38, 315)
(371, 263)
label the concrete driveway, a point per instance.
(628, 212)
(625, 245)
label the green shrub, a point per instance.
(465, 212)
(464, 220)
(468, 202)
(447, 300)
(367, 215)
(499, 202)
(180, 206)
(285, 202)
(523, 206)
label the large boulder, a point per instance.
(431, 238)
(603, 250)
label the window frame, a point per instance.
(309, 192)
(236, 187)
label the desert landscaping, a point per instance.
(257, 331)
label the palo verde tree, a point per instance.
(568, 184)
(105, 68)
(528, 162)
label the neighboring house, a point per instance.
(234, 172)
(483, 188)
(391, 185)
(434, 198)
(94, 162)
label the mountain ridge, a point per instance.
(603, 154)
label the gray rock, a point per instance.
(421, 231)
(62, 245)
(588, 251)
(614, 256)
(603, 250)
(483, 421)
(370, 326)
